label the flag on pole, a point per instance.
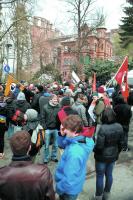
(94, 83)
(75, 77)
(11, 80)
(121, 78)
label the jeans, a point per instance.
(68, 197)
(48, 135)
(101, 170)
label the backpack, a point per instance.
(38, 136)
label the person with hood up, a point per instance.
(71, 170)
(80, 100)
(34, 128)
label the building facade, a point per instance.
(50, 46)
(96, 46)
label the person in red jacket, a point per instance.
(22, 179)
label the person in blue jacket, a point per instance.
(71, 170)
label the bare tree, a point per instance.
(21, 34)
(86, 21)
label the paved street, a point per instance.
(123, 174)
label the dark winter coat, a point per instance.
(10, 108)
(28, 95)
(21, 105)
(123, 113)
(109, 142)
(43, 100)
(35, 101)
(22, 180)
(49, 116)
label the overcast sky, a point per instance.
(56, 12)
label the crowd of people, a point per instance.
(75, 122)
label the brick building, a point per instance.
(97, 45)
(50, 46)
(45, 42)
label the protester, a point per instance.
(35, 101)
(123, 116)
(20, 107)
(10, 112)
(21, 103)
(28, 94)
(49, 123)
(80, 108)
(3, 126)
(71, 170)
(35, 130)
(43, 100)
(109, 143)
(22, 179)
(65, 111)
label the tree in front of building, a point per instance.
(85, 22)
(103, 68)
(51, 71)
(20, 32)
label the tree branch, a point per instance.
(12, 26)
(9, 2)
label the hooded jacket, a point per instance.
(71, 170)
(81, 111)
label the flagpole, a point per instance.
(16, 80)
(120, 66)
(109, 82)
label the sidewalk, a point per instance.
(123, 175)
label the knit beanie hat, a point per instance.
(40, 88)
(65, 101)
(21, 96)
(101, 90)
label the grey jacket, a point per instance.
(78, 106)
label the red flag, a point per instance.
(121, 78)
(94, 83)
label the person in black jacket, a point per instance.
(35, 101)
(49, 123)
(123, 116)
(109, 144)
(3, 126)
